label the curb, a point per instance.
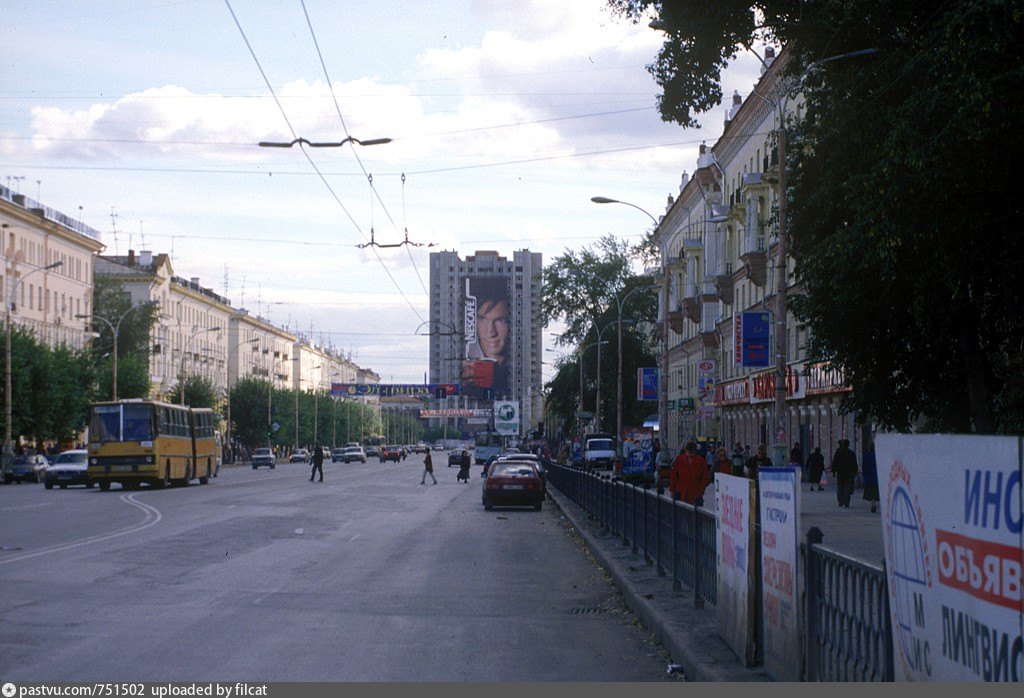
(688, 634)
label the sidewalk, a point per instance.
(687, 633)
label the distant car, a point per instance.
(299, 455)
(372, 451)
(513, 483)
(69, 468)
(455, 457)
(22, 468)
(391, 452)
(438, 447)
(338, 454)
(352, 454)
(263, 456)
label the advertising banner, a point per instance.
(637, 451)
(485, 369)
(647, 383)
(735, 605)
(425, 392)
(954, 549)
(756, 334)
(506, 417)
(780, 549)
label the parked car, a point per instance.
(69, 468)
(354, 453)
(529, 457)
(513, 483)
(263, 456)
(391, 452)
(299, 455)
(22, 468)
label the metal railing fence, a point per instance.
(847, 627)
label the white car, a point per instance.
(353, 453)
(69, 468)
(299, 455)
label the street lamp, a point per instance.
(14, 257)
(316, 406)
(253, 342)
(184, 353)
(663, 369)
(115, 329)
(619, 303)
(303, 141)
(597, 396)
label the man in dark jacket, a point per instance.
(816, 468)
(844, 467)
(318, 462)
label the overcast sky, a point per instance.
(143, 116)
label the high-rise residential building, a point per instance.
(485, 332)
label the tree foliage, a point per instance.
(199, 392)
(50, 389)
(583, 290)
(133, 322)
(902, 211)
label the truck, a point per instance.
(598, 451)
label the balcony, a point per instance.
(691, 308)
(755, 266)
(710, 339)
(675, 321)
(724, 286)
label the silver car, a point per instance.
(22, 468)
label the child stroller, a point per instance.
(463, 475)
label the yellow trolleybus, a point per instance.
(132, 442)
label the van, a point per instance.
(598, 451)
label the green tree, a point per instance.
(134, 322)
(199, 392)
(902, 207)
(583, 290)
(249, 423)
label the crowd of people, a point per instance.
(691, 472)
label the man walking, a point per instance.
(428, 467)
(844, 467)
(318, 462)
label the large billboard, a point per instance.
(485, 369)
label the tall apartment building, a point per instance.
(480, 282)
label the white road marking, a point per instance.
(153, 517)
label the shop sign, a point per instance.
(822, 378)
(732, 393)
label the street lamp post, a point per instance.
(597, 395)
(619, 303)
(184, 353)
(14, 258)
(663, 368)
(115, 329)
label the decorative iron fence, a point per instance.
(847, 631)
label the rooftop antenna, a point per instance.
(142, 236)
(113, 228)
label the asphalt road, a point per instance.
(262, 575)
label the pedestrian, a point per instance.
(738, 459)
(318, 462)
(689, 476)
(757, 461)
(428, 467)
(844, 468)
(722, 463)
(796, 458)
(816, 469)
(870, 476)
(463, 467)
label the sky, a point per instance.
(142, 118)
